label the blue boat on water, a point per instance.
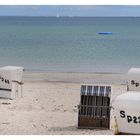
(105, 33)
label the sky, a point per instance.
(58, 10)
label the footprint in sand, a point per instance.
(29, 108)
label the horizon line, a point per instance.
(66, 16)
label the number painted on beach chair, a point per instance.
(2, 79)
(134, 83)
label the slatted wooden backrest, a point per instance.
(94, 108)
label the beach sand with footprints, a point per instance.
(50, 103)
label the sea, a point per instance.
(70, 44)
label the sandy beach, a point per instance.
(49, 103)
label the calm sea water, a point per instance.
(70, 44)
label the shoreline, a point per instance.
(65, 71)
(74, 77)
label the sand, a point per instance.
(49, 104)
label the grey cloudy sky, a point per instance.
(69, 10)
